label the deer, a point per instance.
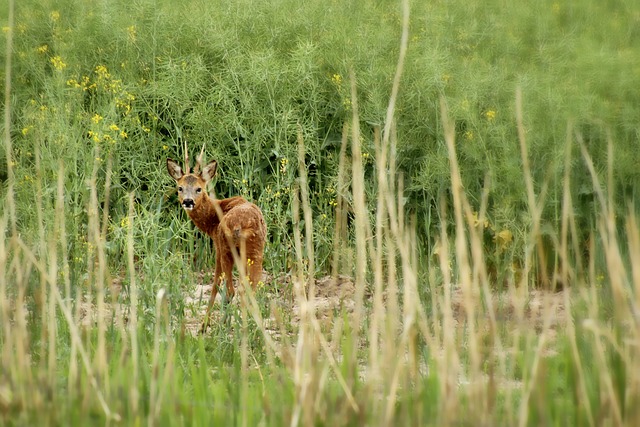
(235, 225)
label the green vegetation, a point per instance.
(453, 206)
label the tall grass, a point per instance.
(441, 321)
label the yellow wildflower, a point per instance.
(55, 15)
(58, 63)
(114, 127)
(102, 72)
(490, 115)
(131, 32)
(503, 238)
(283, 165)
(97, 118)
(336, 79)
(95, 137)
(43, 49)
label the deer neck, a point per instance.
(204, 215)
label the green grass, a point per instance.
(449, 254)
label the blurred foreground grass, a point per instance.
(444, 202)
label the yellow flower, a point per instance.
(95, 137)
(490, 115)
(131, 32)
(468, 135)
(336, 79)
(123, 135)
(102, 72)
(26, 130)
(97, 118)
(165, 147)
(114, 127)
(124, 222)
(58, 63)
(43, 49)
(503, 238)
(55, 15)
(283, 165)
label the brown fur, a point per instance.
(231, 223)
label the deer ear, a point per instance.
(209, 171)
(174, 169)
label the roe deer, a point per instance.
(231, 223)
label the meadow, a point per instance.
(449, 189)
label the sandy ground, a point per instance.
(538, 309)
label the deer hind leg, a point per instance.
(227, 271)
(255, 270)
(214, 292)
(253, 261)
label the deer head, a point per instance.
(191, 186)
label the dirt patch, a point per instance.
(538, 310)
(332, 295)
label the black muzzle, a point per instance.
(188, 203)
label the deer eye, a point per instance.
(198, 190)
(180, 189)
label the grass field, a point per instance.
(449, 190)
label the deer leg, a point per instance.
(227, 268)
(212, 298)
(255, 271)
(254, 262)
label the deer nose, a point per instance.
(188, 203)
